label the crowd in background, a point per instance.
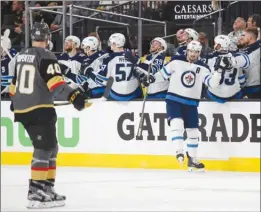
(13, 18)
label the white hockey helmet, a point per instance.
(118, 39)
(91, 42)
(223, 41)
(194, 46)
(75, 40)
(162, 43)
(192, 34)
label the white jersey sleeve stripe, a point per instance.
(165, 73)
(242, 60)
(101, 77)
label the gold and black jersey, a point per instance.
(37, 73)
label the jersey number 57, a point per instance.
(123, 72)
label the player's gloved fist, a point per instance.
(65, 69)
(83, 88)
(224, 63)
(146, 81)
(77, 99)
(87, 71)
(12, 106)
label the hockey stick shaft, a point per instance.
(139, 133)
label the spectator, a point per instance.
(39, 16)
(203, 39)
(17, 9)
(238, 26)
(57, 24)
(20, 31)
(255, 21)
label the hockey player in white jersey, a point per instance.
(249, 44)
(157, 48)
(126, 86)
(186, 74)
(190, 35)
(233, 79)
(72, 58)
(92, 63)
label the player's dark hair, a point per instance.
(257, 19)
(252, 30)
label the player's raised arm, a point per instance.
(168, 69)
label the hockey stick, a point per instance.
(139, 133)
(104, 97)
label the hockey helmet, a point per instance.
(40, 31)
(91, 42)
(118, 39)
(192, 34)
(223, 41)
(74, 39)
(162, 43)
(194, 46)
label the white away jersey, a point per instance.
(160, 85)
(186, 80)
(253, 70)
(231, 81)
(126, 86)
(94, 62)
(74, 63)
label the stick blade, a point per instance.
(108, 87)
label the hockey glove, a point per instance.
(147, 81)
(83, 88)
(65, 69)
(87, 72)
(223, 63)
(77, 99)
(12, 106)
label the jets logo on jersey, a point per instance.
(188, 79)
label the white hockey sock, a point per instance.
(192, 141)
(177, 131)
(192, 146)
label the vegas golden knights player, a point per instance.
(37, 78)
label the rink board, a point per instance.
(104, 135)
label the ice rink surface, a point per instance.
(97, 189)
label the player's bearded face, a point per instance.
(243, 41)
(192, 56)
(68, 45)
(155, 46)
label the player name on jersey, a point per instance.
(25, 58)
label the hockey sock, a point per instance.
(177, 132)
(52, 166)
(192, 142)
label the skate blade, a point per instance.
(193, 169)
(59, 203)
(40, 205)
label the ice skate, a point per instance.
(38, 199)
(195, 165)
(58, 199)
(180, 157)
